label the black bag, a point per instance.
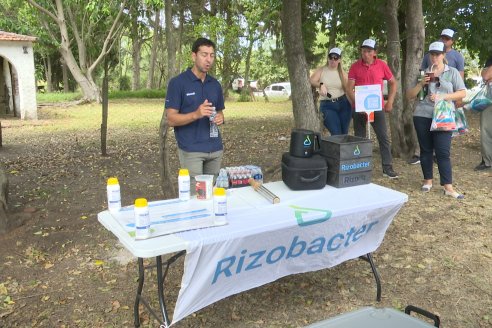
(304, 173)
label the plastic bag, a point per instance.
(443, 118)
(480, 101)
(461, 122)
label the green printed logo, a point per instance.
(307, 216)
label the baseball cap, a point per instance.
(336, 51)
(437, 46)
(447, 32)
(369, 43)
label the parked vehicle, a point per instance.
(278, 90)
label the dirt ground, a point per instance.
(61, 268)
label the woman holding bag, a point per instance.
(446, 84)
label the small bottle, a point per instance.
(142, 219)
(114, 195)
(214, 129)
(422, 91)
(220, 206)
(184, 185)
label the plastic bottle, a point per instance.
(214, 129)
(184, 185)
(220, 206)
(114, 195)
(422, 91)
(142, 219)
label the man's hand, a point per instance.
(219, 118)
(388, 106)
(205, 109)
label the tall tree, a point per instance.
(303, 104)
(156, 37)
(91, 19)
(394, 61)
(414, 52)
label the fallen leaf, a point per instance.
(48, 265)
(83, 217)
(99, 262)
(3, 290)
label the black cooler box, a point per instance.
(349, 160)
(304, 173)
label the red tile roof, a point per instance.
(7, 36)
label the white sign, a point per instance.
(368, 98)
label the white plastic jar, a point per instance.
(114, 195)
(184, 185)
(220, 206)
(142, 219)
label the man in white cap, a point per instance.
(366, 71)
(454, 58)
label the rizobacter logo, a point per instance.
(307, 216)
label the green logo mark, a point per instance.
(307, 216)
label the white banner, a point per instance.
(295, 239)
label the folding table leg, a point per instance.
(368, 258)
(141, 276)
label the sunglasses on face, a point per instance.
(334, 57)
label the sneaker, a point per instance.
(482, 166)
(414, 160)
(388, 172)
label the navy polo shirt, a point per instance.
(186, 92)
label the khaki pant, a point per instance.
(486, 135)
(200, 163)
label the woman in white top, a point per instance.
(334, 104)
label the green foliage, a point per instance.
(143, 93)
(124, 83)
(57, 97)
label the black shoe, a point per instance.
(388, 172)
(414, 160)
(482, 166)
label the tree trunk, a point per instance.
(49, 75)
(80, 70)
(167, 186)
(153, 51)
(136, 48)
(413, 58)
(4, 189)
(399, 147)
(305, 116)
(104, 122)
(170, 43)
(66, 86)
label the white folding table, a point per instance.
(306, 231)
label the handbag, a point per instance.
(443, 118)
(481, 100)
(461, 122)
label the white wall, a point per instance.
(24, 66)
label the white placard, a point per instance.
(368, 98)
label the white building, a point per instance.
(17, 80)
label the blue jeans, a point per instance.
(438, 142)
(336, 115)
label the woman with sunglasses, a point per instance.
(443, 83)
(331, 81)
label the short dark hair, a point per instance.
(202, 42)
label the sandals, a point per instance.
(453, 194)
(426, 187)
